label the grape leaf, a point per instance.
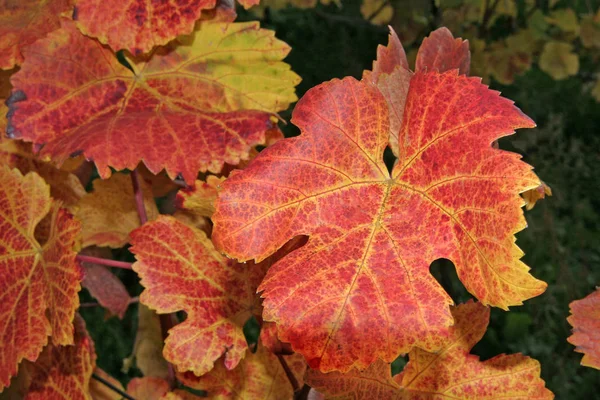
(531, 196)
(193, 106)
(259, 375)
(451, 372)
(180, 270)
(64, 372)
(108, 214)
(38, 292)
(361, 288)
(137, 25)
(23, 22)
(585, 320)
(103, 285)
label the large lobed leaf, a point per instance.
(361, 288)
(450, 372)
(193, 106)
(38, 289)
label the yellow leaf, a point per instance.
(558, 60)
(565, 19)
(109, 213)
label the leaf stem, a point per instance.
(289, 373)
(104, 261)
(112, 387)
(139, 196)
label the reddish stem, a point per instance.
(139, 196)
(289, 373)
(104, 261)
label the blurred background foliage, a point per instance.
(545, 55)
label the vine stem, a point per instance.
(139, 196)
(288, 373)
(104, 261)
(112, 387)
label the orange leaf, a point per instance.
(585, 320)
(38, 291)
(361, 287)
(451, 372)
(64, 372)
(22, 22)
(260, 375)
(137, 25)
(103, 285)
(181, 270)
(193, 106)
(441, 52)
(108, 214)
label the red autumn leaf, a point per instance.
(22, 22)
(450, 372)
(441, 52)
(361, 287)
(259, 375)
(181, 270)
(103, 285)
(64, 372)
(585, 320)
(38, 291)
(193, 106)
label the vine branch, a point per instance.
(289, 373)
(104, 261)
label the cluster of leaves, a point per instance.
(506, 36)
(337, 246)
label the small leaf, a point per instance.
(585, 320)
(109, 212)
(558, 60)
(148, 388)
(200, 198)
(565, 19)
(181, 270)
(531, 196)
(103, 285)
